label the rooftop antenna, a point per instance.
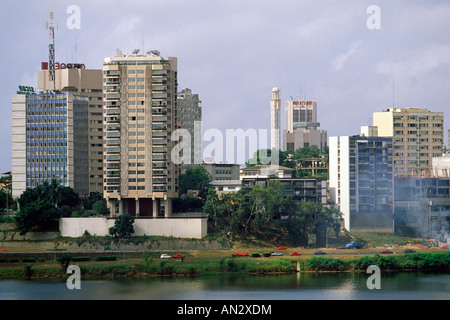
(51, 49)
(119, 53)
(393, 93)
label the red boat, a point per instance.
(294, 253)
(281, 248)
(177, 256)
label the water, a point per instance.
(320, 286)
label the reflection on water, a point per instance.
(315, 286)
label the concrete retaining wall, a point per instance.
(177, 227)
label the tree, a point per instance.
(195, 178)
(123, 227)
(41, 206)
(101, 208)
(266, 204)
(40, 214)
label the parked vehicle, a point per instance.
(353, 244)
(276, 254)
(294, 253)
(165, 256)
(281, 248)
(409, 251)
(386, 251)
(237, 254)
(319, 252)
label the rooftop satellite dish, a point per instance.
(136, 51)
(153, 52)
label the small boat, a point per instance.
(294, 253)
(281, 248)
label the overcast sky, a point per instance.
(232, 53)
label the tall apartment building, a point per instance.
(417, 136)
(361, 181)
(49, 140)
(301, 125)
(189, 115)
(275, 119)
(89, 83)
(140, 96)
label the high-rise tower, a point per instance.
(275, 104)
(139, 116)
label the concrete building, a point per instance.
(50, 140)
(140, 96)
(441, 166)
(265, 172)
(422, 206)
(301, 189)
(86, 82)
(417, 136)
(224, 186)
(189, 113)
(361, 181)
(301, 125)
(275, 119)
(223, 171)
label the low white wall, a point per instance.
(178, 228)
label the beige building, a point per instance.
(418, 136)
(140, 96)
(86, 82)
(301, 125)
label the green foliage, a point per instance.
(123, 227)
(106, 258)
(100, 208)
(76, 259)
(195, 178)
(39, 214)
(64, 260)
(40, 207)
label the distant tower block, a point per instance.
(275, 104)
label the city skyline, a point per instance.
(231, 56)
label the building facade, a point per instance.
(86, 82)
(361, 181)
(223, 171)
(50, 141)
(189, 113)
(417, 136)
(139, 117)
(301, 126)
(422, 207)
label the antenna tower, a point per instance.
(51, 49)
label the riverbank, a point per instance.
(197, 264)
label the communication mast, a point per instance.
(51, 49)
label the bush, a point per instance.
(81, 258)
(28, 259)
(106, 258)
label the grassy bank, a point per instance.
(150, 265)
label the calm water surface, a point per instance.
(320, 286)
